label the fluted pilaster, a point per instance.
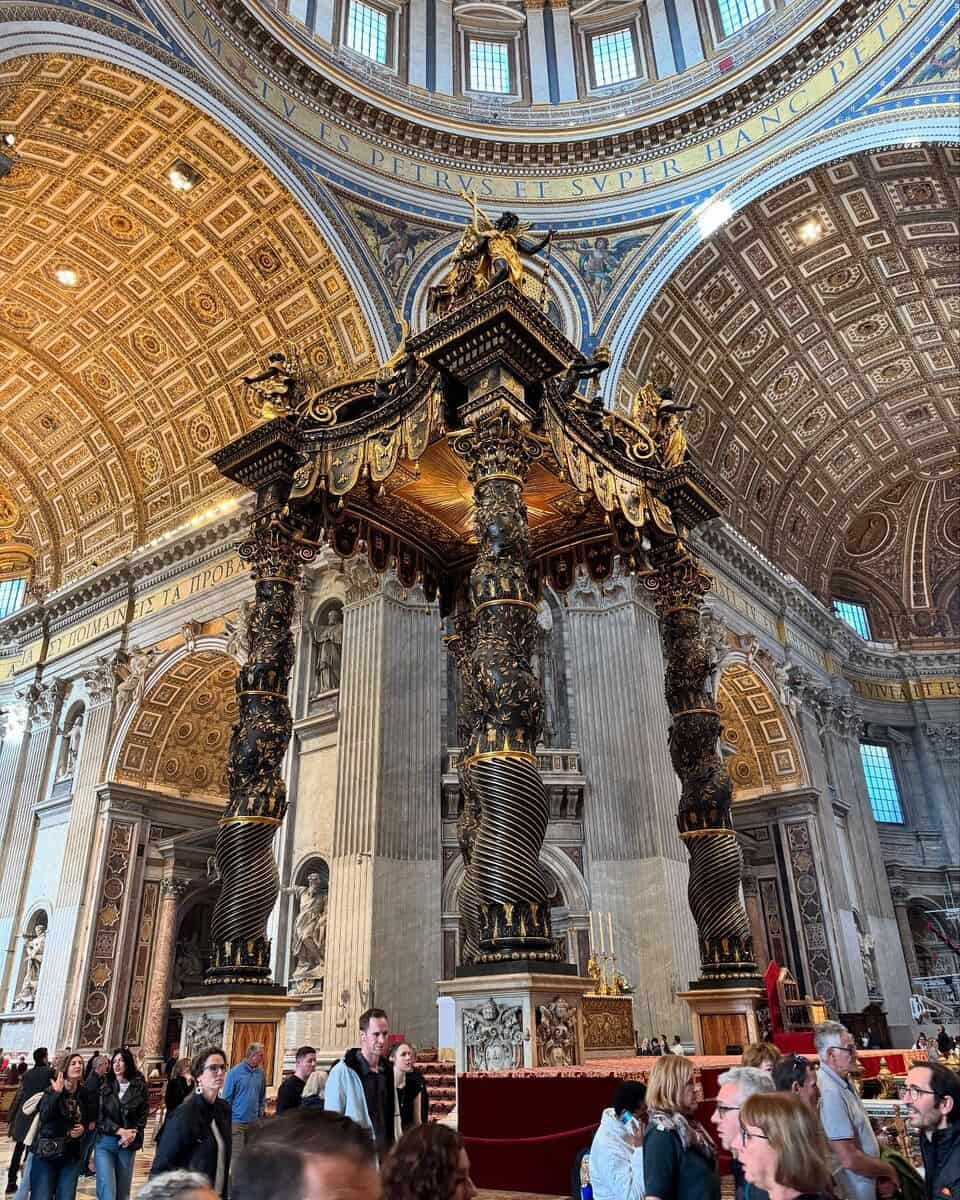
(58, 1013)
(637, 865)
(383, 940)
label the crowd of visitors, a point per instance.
(794, 1132)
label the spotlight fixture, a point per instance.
(6, 153)
(182, 176)
(810, 231)
(66, 276)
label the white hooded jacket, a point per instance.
(616, 1164)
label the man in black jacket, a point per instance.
(35, 1080)
(932, 1092)
(290, 1091)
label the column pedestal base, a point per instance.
(233, 1020)
(724, 1017)
(522, 1019)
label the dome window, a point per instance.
(368, 31)
(12, 593)
(854, 614)
(613, 57)
(489, 65)
(735, 15)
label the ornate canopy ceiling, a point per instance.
(816, 334)
(115, 388)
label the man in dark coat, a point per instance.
(932, 1093)
(35, 1080)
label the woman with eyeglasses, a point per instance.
(783, 1149)
(679, 1157)
(197, 1135)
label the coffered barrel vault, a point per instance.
(116, 385)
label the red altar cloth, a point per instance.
(523, 1128)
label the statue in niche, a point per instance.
(32, 962)
(329, 640)
(71, 746)
(310, 930)
(188, 967)
(867, 945)
(543, 664)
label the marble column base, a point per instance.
(724, 1017)
(502, 1025)
(236, 1014)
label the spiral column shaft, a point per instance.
(503, 894)
(704, 819)
(249, 880)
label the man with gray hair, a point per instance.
(178, 1185)
(858, 1169)
(245, 1090)
(736, 1086)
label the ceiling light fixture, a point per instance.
(8, 138)
(712, 216)
(182, 176)
(66, 276)
(810, 231)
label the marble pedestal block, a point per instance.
(724, 1017)
(234, 1020)
(510, 1021)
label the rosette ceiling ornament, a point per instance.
(479, 463)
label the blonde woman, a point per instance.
(679, 1157)
(313, 1089)
(783, 1148)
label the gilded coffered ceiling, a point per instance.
(817, 335)
(764, 755)
(181, 731)
(116, 384)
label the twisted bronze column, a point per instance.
(249, 881)
(499, 769)
(704, 820)
(460, 645)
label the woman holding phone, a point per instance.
(57, 1151)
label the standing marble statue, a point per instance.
(32, 961)
(329, 650)
(310, 931)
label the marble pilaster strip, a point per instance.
(563, 41)
(537, 48)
